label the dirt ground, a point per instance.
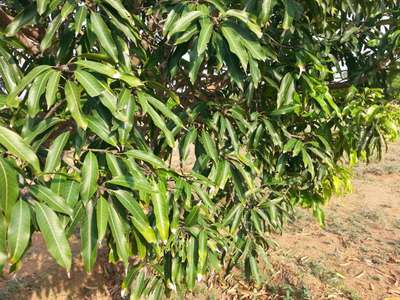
(356, 256)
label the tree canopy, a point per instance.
(179, 134)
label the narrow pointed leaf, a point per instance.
(89, 238)
(54, 235)
(89, 175)
(52, 87)
(73, 96)
(139, 219)
(55, 151)
(8, 187)
(119, 233)
(19, 230)
(101, 217)
(55, 201)
(161, 207)
(16, 145)
(103, 33)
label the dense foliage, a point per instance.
(179, 134)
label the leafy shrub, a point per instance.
(179, 134)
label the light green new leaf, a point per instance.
(16, 145)
(19, 230)
(52, 87)
(50, 32)
(54, 235)
(101, 217)
(89, 238)
(8, 187)
(103, 33)
(161, 210)
(119, 234)
(89, 176)
(54, 155)
(55, 201)
(139, 219)
(286, 90)
(73, 96)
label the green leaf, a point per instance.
(33, 74)
(286, 90)
(188, 140)
(203, 250)
(89, 238)
(24, 18)
(16, 146)
(161, 211)
(184, 22)
(39, 128)
(53, 235)
(89, 175)
(103, 33)
(245, 18)
(133, 183)
(209, 145)
(55, 151)
(7, 74)
(139, 219)
(36, 91)
(157, 119)
(148, 157)
(80, 17)
(50, 32)
(100, 127)
(91, 85)
(67, 189)
(160, 106)
(191, 263)
(52, 87)
(101, 217)
(101, 68)
(73, 96)
(56, 202)
(19, 230)
(119, 234)
(8, 187)
(231, 35)
(205, 34)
